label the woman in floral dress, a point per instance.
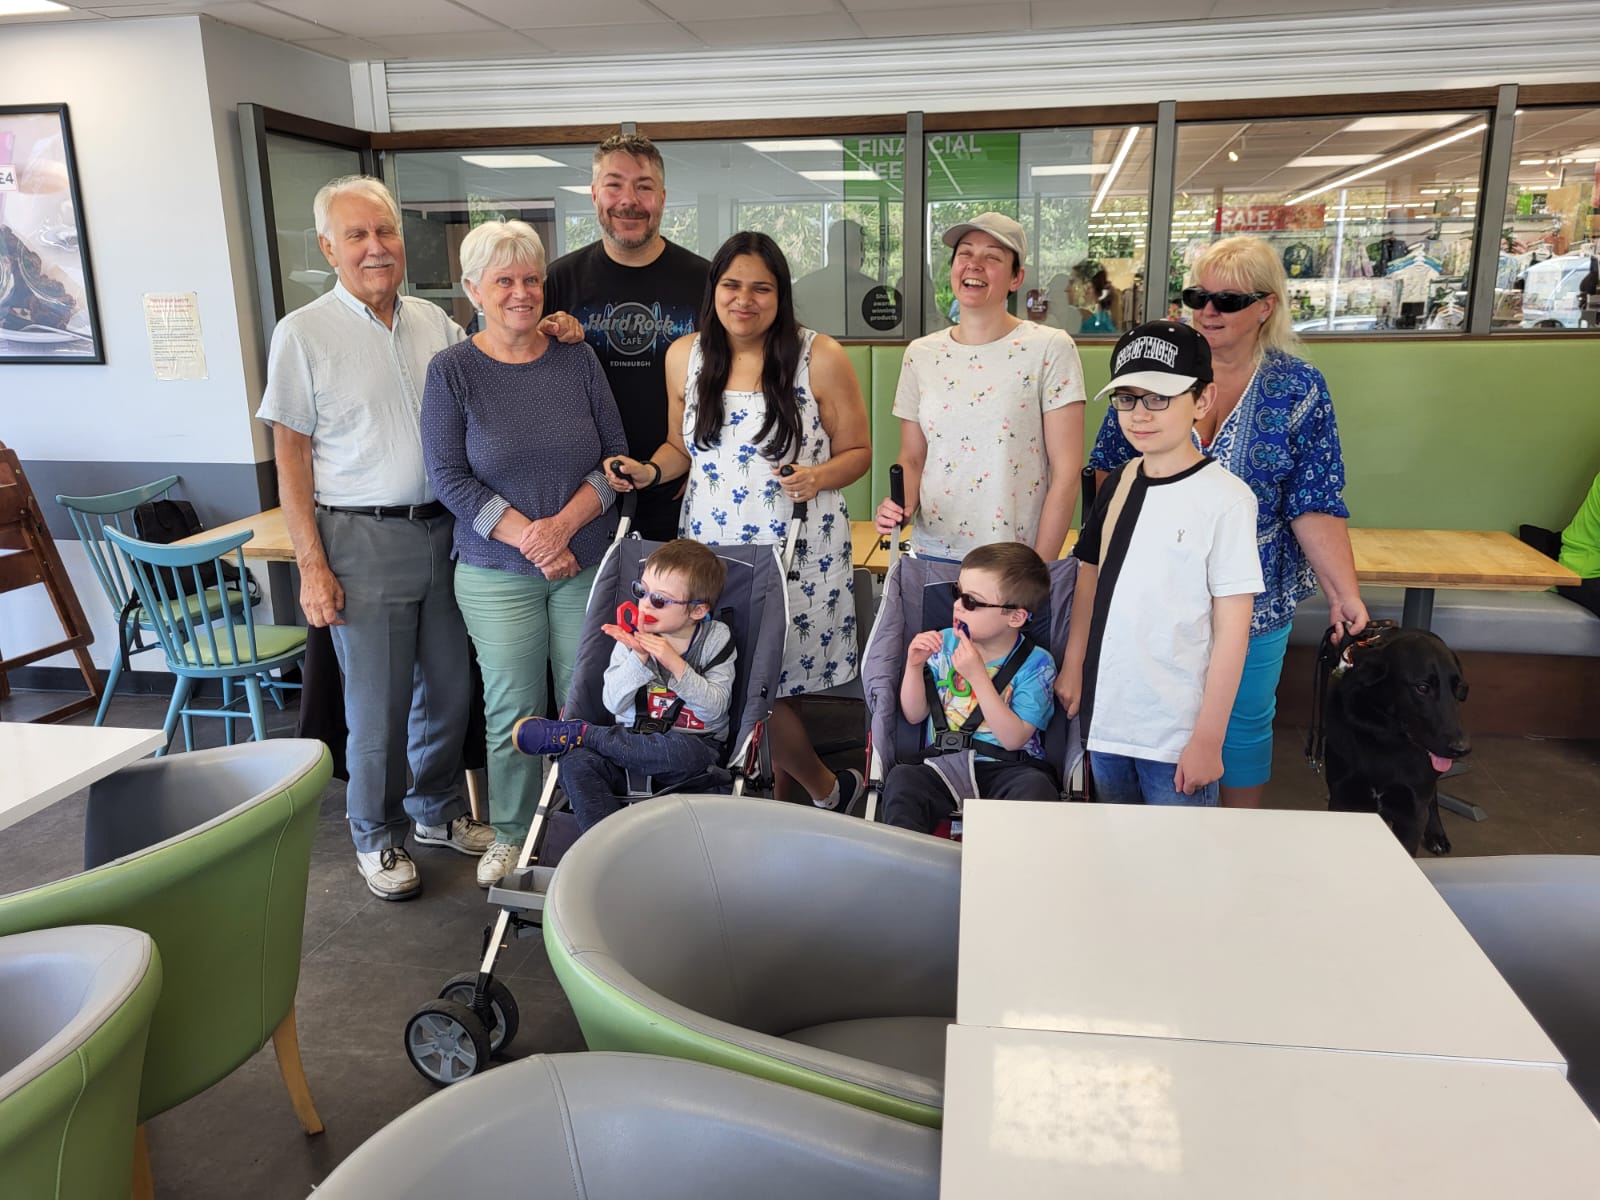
(748, 395)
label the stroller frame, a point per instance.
(455, 1036)
(883, 663)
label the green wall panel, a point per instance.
(1436, 435)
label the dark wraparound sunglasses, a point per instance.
(972, 604)
(1223, 302)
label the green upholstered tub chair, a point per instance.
(773, 939)
(75, 1007)
(635, 1127)
(208, 853)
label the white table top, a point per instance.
(39, 764)
(1234, 925)
(1086, 1116)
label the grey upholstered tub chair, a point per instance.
(633, 1127)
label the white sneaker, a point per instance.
(496, 861)
(463, 835)
(390, 873)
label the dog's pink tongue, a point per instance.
(1440, 765)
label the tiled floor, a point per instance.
(368, 964)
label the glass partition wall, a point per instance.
(1374, 214)
(1374, 217)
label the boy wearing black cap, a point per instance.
(1167, 569)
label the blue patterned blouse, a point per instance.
(1283, 441)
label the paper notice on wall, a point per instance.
(172, 321)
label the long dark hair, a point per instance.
(780, 356)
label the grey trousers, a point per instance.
(403, 650)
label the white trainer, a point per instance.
(496, 861)
(390, 873)
(463, 835)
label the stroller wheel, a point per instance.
(502, 1006)
(446, 1042)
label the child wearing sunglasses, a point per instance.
(669, 685)
(990, 683)
(1167, 575)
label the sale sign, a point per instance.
(1270, 218)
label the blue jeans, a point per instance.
(1119, 779)
(403, 651)
(522, 626)
(594, 774)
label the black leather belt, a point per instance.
(411, 512)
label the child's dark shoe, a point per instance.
(540, 735)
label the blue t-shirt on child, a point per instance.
(1029, 694)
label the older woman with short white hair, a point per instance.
(516, 429)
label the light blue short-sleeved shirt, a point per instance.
(354, 386)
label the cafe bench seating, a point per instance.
(773, 939)
(1471, 619)
(1529, 658)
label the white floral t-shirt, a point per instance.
(982, 409)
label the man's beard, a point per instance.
(608, 227)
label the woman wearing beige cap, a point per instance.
(991, 428)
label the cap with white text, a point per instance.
(1164, 357)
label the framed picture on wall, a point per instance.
(47, 305)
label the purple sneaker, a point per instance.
(540, 735)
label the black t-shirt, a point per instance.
(630, 316)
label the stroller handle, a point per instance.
(627, 502)
(794, 546)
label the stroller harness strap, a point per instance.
(954, 741)
(642, 721)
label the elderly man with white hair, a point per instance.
(516, 428)
(371, 540)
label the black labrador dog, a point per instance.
(1392, 728)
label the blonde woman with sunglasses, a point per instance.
(1273, 426)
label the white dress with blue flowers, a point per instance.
(733, 498)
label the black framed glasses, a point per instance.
(656, 599)
(1223, 302)
(972, 604)
(1127, 401)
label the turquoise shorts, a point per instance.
(1247, 746)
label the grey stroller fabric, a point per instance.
(754, 604)
(917, 595)
(634, 1127)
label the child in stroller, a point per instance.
(669, 685)
(958, 761)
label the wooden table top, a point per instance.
(1454, 558)
(271, 542)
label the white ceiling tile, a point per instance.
(146, 9)
(97, 5)
(740, 10)
(258, 18)
(500, 43)
(378, 18)
(348, 48)
(1084, 14)
(820, 27)
(617, 39)
(1227, 9)
(929, 22)
(562, 14)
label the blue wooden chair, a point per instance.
(90, 515)
(207, 631)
